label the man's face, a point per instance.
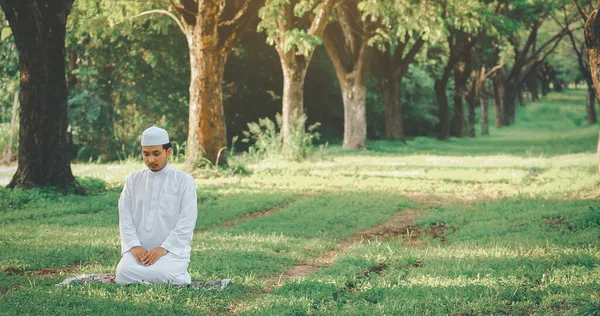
(156, 157)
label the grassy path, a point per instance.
(503, 224)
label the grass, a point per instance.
(510, 224)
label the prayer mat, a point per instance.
(215, 285)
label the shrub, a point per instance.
(267, 140)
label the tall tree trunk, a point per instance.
(354, 94)
(39, 29)
(590, 105)
(460, 80)
(444, 109)
(510, 101)
(498, 84)
(294, 64)
(485, 116)
(390, 68)
(391, 90)
(350, 54)
(398, 110)
(521, 97)
(389, 106)
(207, 135)
(532, 86)
(592, 39)
(382, 68)
(293, 97)
(598, 153)
(471, 104)
(212, 29)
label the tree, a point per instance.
(405, 28)
(528, 53)
(461, 19)
(123, 78)
(294, 27)
(347, 43)
(592, 40)
(212, 30)
(578, 44)
(39, 30)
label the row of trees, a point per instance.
(473, 50)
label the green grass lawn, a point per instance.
(510, 224)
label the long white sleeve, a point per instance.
(180, 237)
(129, 238)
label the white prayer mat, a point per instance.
(215, 285)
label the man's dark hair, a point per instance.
(167, 145)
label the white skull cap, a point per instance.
(154, 136)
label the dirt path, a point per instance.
(247, 217)
(397, 225)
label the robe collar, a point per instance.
(154, 174)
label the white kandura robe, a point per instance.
(157, 209)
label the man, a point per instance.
(157, 216)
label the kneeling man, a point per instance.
(157, 216)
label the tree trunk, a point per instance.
(39, 30)
(592, 39)
(390, 70)
(532, 86)
(350, 54)
(598, 153)
(398, 111)
(498, 84)
(590, 105)
(458, 125)
(521, 97)
(294, 72)
(510, 99)
(212, 29)
(207, 136)
(354, 94)
(471, 104)
(389, 107)
(546, 73)
(485, 120)
(462, 70)
(444, 110)
(391, 89)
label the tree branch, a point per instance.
(165, 12)
(319, 22)
(583, 15)
(332, 37)
(241, 14)
(185, 10)
(493, 70)
(410, 57)
(248, 12)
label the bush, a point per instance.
(267, 140)
(4, 139)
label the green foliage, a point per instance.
(9, 68)
(92, 185)
(398, 20)
(123, 78)
(293, 37)
(267, 140)
(4, 139)
(590, 304)
(5, 33)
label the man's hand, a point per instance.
(153, 255)
(138, 253)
